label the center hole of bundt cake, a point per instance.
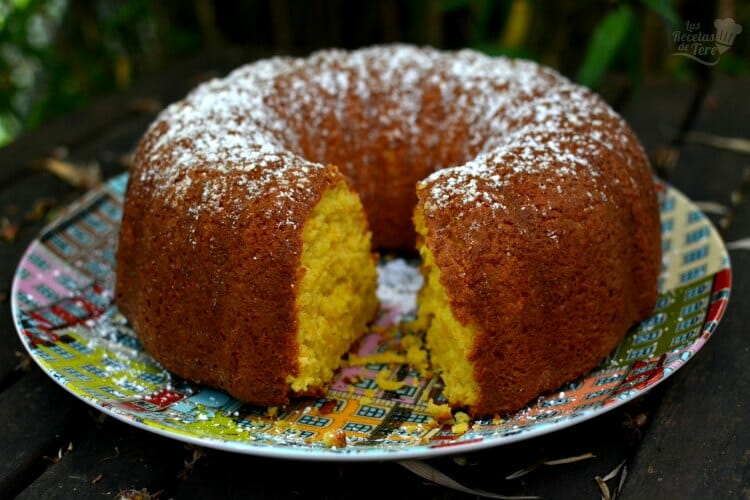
(384, 142)
(384, 173)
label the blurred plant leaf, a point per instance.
(604, 44)
(453, 5)
(517, 27)
(665, 10)
(482, 16)
(632, 53)
(733, 65)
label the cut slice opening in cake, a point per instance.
(336, 298)
(448, 340)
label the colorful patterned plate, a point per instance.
(62, 307)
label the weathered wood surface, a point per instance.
(689, 437)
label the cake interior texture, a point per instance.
(336, 298)
(449, 342)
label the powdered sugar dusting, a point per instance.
(398, 284)
(553, 129)
(251, 126)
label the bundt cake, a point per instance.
(244, 258)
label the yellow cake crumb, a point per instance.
(440, 412)
(410, 351)
(461, 417)
(409, 340)
(381, 358)
(416, 356)
(387, 385)
(459, 428)
(282, 425)
(335, 439)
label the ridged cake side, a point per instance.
(548, 248)
(213, 294)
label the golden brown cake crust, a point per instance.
(541, 212)
(212, 294)
(553, 266)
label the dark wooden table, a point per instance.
(688, 438)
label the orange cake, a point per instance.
(253, 205)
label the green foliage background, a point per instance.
(55, 55)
